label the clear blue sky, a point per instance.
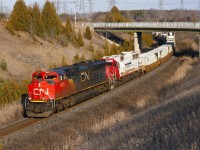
(103, 5)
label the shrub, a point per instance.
(64, 63)
(10, 28)
(91, 47)
(82, 58)
(3, 65)
(147, 39)
(88, 34)
(106, 48)
(79, 39)
(62, 40)
(76, 58)
(11, 90)
(114, 49)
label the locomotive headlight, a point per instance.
(39, 84)
(43, 98)
(29, 98)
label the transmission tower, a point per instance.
(161, 4)
(182, 4)
(82, 6)
(91, 7)
(58, 6)
(1, 7)
(61, 6)
(112, 3)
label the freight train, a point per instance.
(63, 87)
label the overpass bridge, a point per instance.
(139, 27)
(147, 26)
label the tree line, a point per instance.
(45, 23)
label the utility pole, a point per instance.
(75, 3)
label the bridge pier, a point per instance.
(138, 42)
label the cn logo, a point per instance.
(37, 91)
(85, 76)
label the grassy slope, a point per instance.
(23, 55)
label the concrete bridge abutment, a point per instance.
(138, 42)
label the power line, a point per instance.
(161, 4)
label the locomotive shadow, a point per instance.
(23, 103)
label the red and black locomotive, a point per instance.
(64, 87)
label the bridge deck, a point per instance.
(147, 26)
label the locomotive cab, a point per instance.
(42, 86)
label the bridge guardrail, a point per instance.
(186, 25)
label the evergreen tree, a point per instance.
(52, 23)
(147, 39)
(64, 63)
(79, 39)
(115, 16)
(88, 34)
(76, 58)
(68, 30)
(91, 47)
(20, 17)
(82, 59)
(130, 44)
(36, 26)
(106, 48)
(114, 49)
(125, 45)
(120, 48)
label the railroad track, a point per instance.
(30, 121)
(18, 126)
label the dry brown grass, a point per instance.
(10, 112)
(181, 72)
(108, 121)
(149, 115)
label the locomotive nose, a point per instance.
(40, 91)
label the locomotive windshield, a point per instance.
(109, 63)
(37, 77)
(50, 77)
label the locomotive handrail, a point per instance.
(53, 99)
(26, 99)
